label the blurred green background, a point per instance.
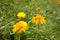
(49, 9)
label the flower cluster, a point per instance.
(22, 26)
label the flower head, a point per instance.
(38, 9)
(38, 19)
(21, 15)
(19, 27)
(57, 1)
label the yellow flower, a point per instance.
(34, 20)
(19, 27)
(21, 15)
(57, 1)
(38, 19)
(38, 9)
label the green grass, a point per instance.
(51, 12)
